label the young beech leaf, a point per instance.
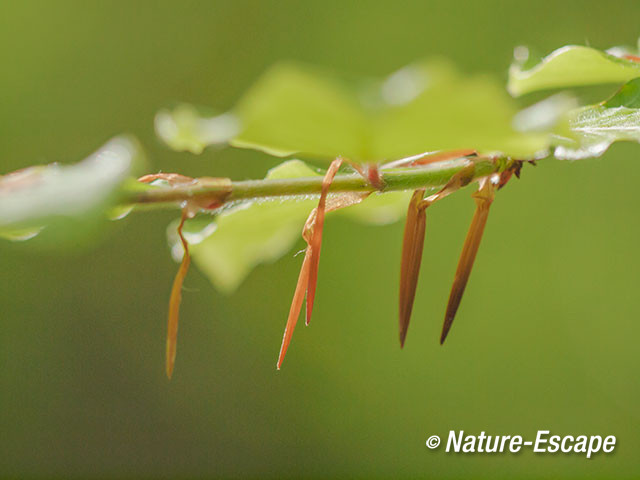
(228, 247)
(453, 112)
(594, 128)
(184, 128)
(59, 203)
(297, 109)
(294, 109)
(572, 66)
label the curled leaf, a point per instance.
(594, 128)
(66, 202)
(183, 128)
(299, 109)
(570, 66)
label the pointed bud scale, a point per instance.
(483, 197)
(315, 243)
(174, 301)
(412, 246)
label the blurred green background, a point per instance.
(546, 337)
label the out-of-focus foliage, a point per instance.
(60, 203)
(298, 109)
(183, 128)
(571, 66)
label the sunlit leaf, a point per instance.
(595, 128)
(379, 209)
(63, 202)
(571, 66)
(293, 109)
(547, 114)
(226, 248)
(451, 112)
(296, 109)
(183, 128)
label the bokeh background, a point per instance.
(546, 338)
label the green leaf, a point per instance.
(228, 247)
(292, 109)
(427, 106)
(628, 96)
(571, 66)
(185, 128)
(451, 112)
(60, 203)
(594, 128)
(379, 208)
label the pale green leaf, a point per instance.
(571, 66)
(594, 128)
(452, 112)
(379, 208)
(293, 109)
(427, 106)
(63, 202)
(184, 128)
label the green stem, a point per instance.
(432, 176)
